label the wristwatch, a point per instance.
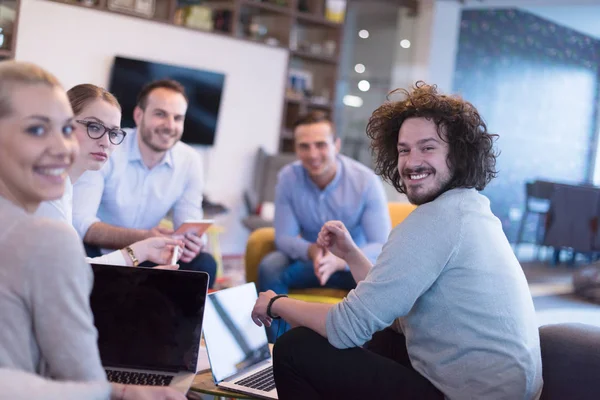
(134, 259)
(271, 304)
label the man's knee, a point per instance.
(273, 264)
(295, 344)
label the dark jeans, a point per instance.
(203, 262)
(306, 366)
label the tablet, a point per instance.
(197, 227)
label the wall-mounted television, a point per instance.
(203, 88)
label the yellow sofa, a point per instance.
(262, 241)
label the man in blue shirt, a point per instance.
(321, 186)
(148, 175)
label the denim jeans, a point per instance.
(279, 273)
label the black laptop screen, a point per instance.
(148, 318)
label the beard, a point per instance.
(147, 136)
(440, 185)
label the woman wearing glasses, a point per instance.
(97, 129)
(45, 283)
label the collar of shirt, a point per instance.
(136, 155)
(331, 185)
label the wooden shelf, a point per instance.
(314, 57)
(315, 20)
(266, 7)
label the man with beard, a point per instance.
(445, 312)
(148, 175)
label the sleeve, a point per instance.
(287, 226)
(189, 205)
(113, 258)
(21, 385)
(59, 296)
(404, 271)
(87, 194)
(375, 219)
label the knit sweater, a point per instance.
(449, 279)
(45, 284)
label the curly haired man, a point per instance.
(445, 312)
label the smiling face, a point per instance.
(422, 161)
(160, 124)
(317, 148)
(37, 146)
(94, 152)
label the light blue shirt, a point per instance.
(450, 280)
(128, 194)
(355, 196)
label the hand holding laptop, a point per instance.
(138, 392)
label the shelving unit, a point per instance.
(298, 26)
(9, 18)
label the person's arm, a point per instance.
(375, 220)
(287, 226)
(21, 385)
(57, 290)
(115, 237)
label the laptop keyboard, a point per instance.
(138, 378)
(262, 380)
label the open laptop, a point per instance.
(149, 324)
(237, 348)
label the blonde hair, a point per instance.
(14, 73)
(81, 95)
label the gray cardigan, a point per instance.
(450, 278)
(45, 283)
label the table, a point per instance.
(204, 383)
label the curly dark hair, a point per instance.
(471, 155)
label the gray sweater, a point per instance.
(449, 278)
(45, 318)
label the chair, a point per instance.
(570, 361)
(537, 203)
(262, 241)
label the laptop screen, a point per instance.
(148, 318)
(234, 342)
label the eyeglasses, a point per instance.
(96, 130)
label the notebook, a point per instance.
(237, 348)
(149, 323)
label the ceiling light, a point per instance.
(405, 43)
(352, 101)
(360, 68)
(364, 86)
(363, 33)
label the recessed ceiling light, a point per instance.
(353, 101)
(363, 33)
(405, 43)
(364, 85)
(360, 68)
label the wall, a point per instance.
(536, 85)
(78, 45)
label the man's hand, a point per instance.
(327, 266)
(259, 313)
(335, 237)
(137, 392)
(193, 246)
(160, 231)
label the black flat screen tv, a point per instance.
(203, 88)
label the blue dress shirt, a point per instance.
(355, 196)
(128, 194)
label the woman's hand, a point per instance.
(158, 249)
(335, 237)
(259, 313)
(138, 392)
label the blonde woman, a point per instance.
(96, 126)
(47, 326)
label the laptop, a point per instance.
(238, 349)
(149, 324)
